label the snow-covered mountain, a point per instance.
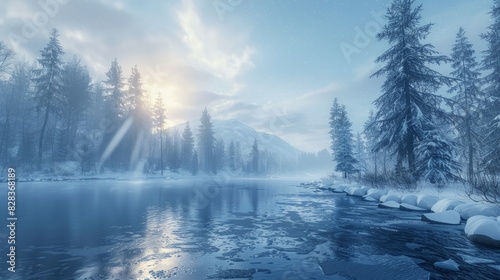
(233, 130)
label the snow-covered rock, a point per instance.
(450, 217)
(449, 265)
(446, 204)
(389, 204)
(484, 230)
(369, 198)
(327, 181)
(410, 207)
(357, 191)
(390, 197)
(409, 199)
(375, 194)
(340, 188)
(468, 210)
(426, 201)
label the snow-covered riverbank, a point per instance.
(448, 206)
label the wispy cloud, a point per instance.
(226, 55)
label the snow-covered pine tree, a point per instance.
(138, 109)
(254, 158)
(343, 141)
(371, 133)
(174, 150)
(238, 159)
(115, 111)
(334, 116)
(76, 101)
(231, 156)
(159, 121)
(436, 155)
(492, 158)
(23, 121)
(466, 102)
(206, 143)
(114, 93)
(10, 104)
(360, 154)
(219, 155)
(187, 147)
(194, 163)
(137, 100)
(48, 84)
(6, 59)
(408, 100)
(491, 64)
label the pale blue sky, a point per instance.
(273, 64)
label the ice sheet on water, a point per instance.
(475, 260)
(414, 246)
(238, 273)
(497, 267)
(448, 264)
(375, 267)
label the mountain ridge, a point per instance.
(236, 131)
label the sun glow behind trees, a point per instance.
(86, 126)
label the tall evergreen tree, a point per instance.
(115, 93)
(14, 94)
(206, 142)
(231, 156)
(115, 109)
(19, 111)
(137, 107)
(8, 102)
(334, 119)
(6, 59)
(194, 163)
(76, 100)
(408, 100)
(491, 64)
(174, 150)
(360, 154)
(187, 147)
(254, 158)
(492, 158)
(219, 155)
(466, 101)
(238, 160)
(343, 142)
(372, 133)
(136, 97)
(159, 122)
(48, 84)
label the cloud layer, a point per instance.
(276, 65)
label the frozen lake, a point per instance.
(231, 229)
